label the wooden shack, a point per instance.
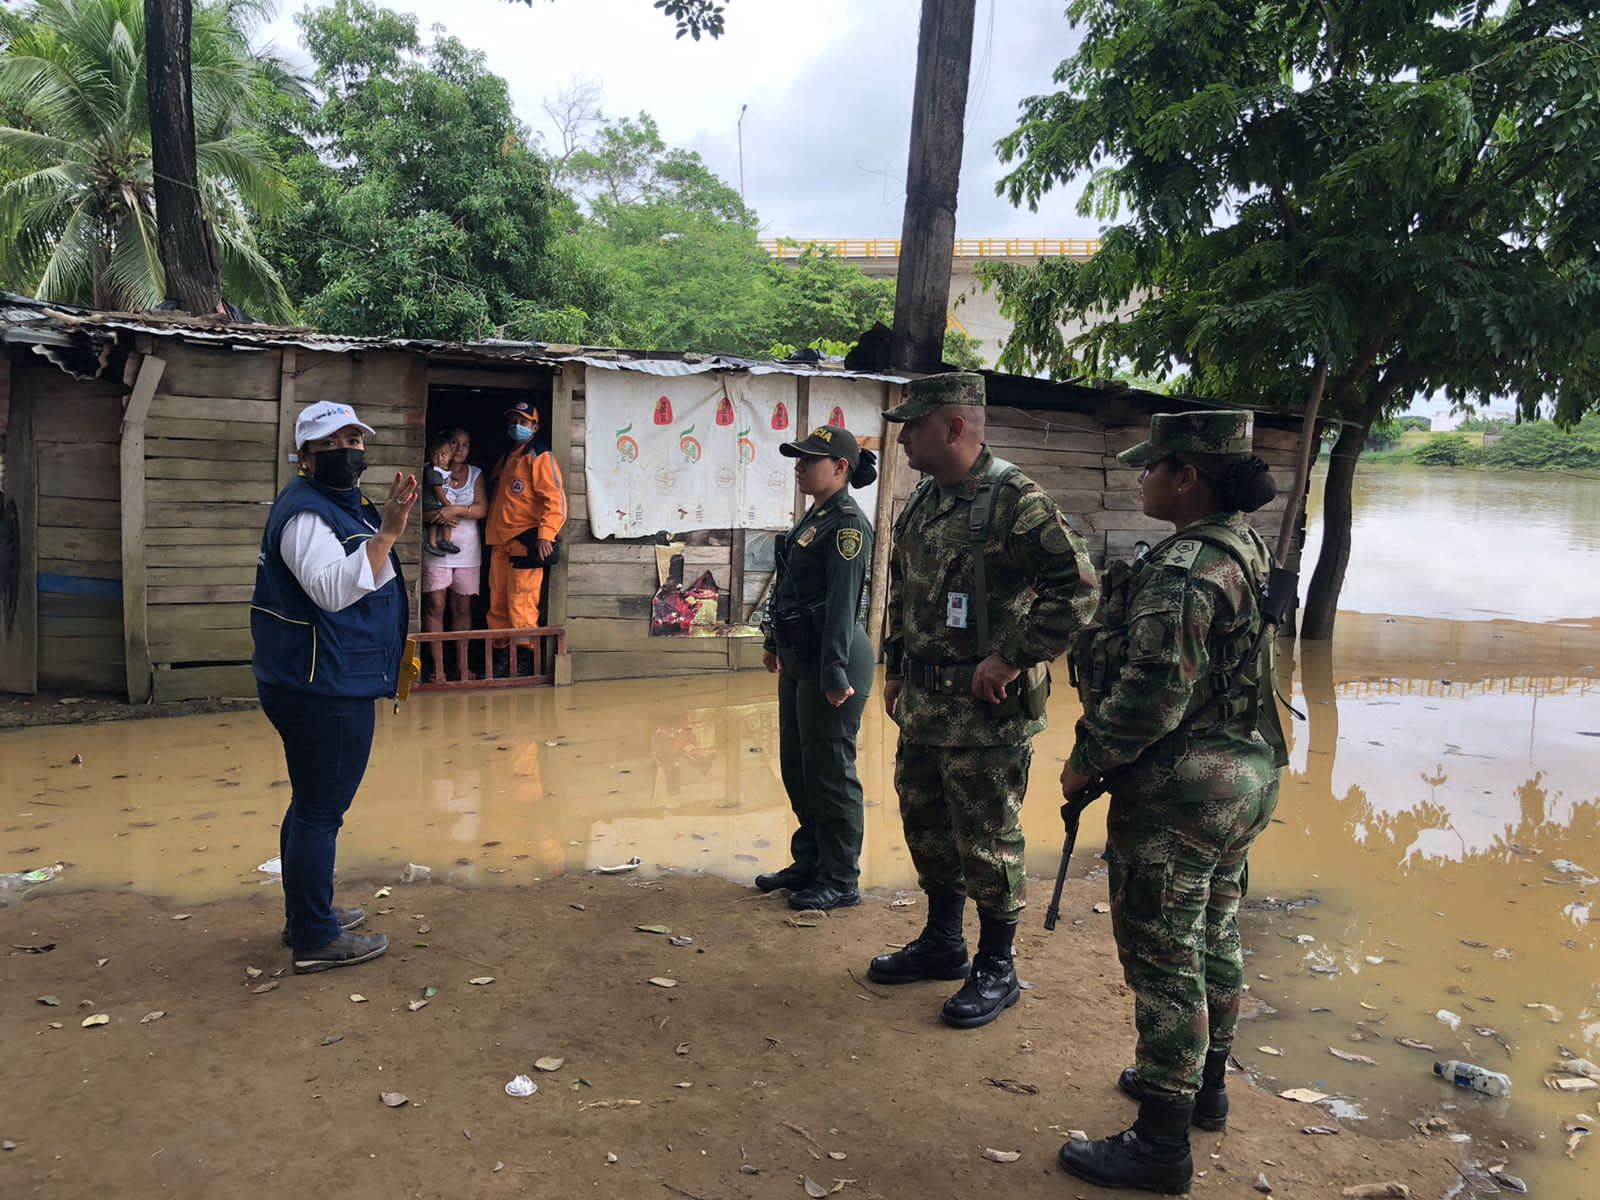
(141, 456)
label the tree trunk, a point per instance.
(933, 178)
(188, 250)
(1322, 601)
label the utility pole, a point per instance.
(740, 128)
(933, 178)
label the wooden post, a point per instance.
(135, 614)
(802, 426)
(569, 382)
(19, 614)
(933, 179)
(883, 527)
(288, 452)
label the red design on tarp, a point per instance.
(663, 411)
(836, 417)
(725, 411)
(780, 415)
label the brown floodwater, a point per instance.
(1441, 808)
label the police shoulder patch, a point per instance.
(848, 541)
(1182, 553)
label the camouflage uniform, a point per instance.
(961, 768)
(1192, 779)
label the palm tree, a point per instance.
(77, 209)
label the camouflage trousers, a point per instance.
(1177, 876)
(961, 810)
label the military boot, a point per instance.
(939, 951)
(992, 986)
(1153, 1156)
(1210, 1106)
(792, 877)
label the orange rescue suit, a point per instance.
(529, 498)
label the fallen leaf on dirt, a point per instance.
(8, 1145)
(1262, 1183)
(333, 1039)
(1413, 1044)
(40, 948)
(548, 1064)
(1365, 1005)
(837, 1155)
(267, 987)
(394, 1099)
(180, 916)
(97, 1019)
(1272, 1050)
(813, 1188)
(747, 1169)
(152, 1016)
(1322, 1130)
(1100, 906)
(610, 1104)
(610, 1158)
(429, 992)
(357, 998)
(662, 929)
(663, 982)
(56, 1025)
(680, 940)
(577, 907)
(793, 924)
(100, 962)
(1549, 1010)
(1353, 1058)
(1471, 945)
(1389, 1190)
(1014, 1087)
(1303, 1095)
(50, 1001)
(1001, 1156)
(902, 902)
(382, 893)
(1077, 1135)
(416, 1005)
(1376, 960)
(253, 972)
(683, 1048)
(685, 1084)
(481, 980)
(422, 929)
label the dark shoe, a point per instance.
(346, 950)
(524, 661)
(992, 986)
(939, 952)
(500, 664)
(434, 549)
(449, 547)
(1210, 1106)
(1153, 1156)
(792, 877)
(822, 897)
(349, 918)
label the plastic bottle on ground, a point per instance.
(1473, 1077)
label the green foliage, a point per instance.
(424, 211)
(961, 349)
(692, 17)
(1386, 433)
(1446, 450)
(1544, 446)
(1482, 425)
(1408, 193)
(77, 207)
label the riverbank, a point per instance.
(770, 1052)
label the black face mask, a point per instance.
(339, 469)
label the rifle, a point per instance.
(1071, 813)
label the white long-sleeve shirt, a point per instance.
(332, 576)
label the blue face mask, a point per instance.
(518, 432)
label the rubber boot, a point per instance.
(1153, 1156)
(1210, 1106)
(992, 986)
(939, 951)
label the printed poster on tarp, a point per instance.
(678, 453)
(858, 407)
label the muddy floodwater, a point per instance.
(1441, 813)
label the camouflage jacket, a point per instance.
(1186, 612)
(1041, 588)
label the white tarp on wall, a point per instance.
(858, 406)
(687, 452)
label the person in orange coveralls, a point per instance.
(526, 513)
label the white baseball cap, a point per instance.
(324, 419)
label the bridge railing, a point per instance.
(964, 247)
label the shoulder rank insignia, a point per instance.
(807, 536)
(1183, 553)
(849, 543)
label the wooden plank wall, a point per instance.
(79, 548)
(19, 614)
(212, 464)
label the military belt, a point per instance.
(949, 679)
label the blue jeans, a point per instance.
(326, 743)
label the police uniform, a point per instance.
(822, 567)
(528, 503)
(1176, 678)
(961, 769)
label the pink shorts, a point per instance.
(461, 580)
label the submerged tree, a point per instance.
(77, 207)
(1384, 198)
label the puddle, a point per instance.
(1443, 793)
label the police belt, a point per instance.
(949, 679)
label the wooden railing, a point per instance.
(549, 655)
(964, 247)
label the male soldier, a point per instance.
(987, 583)
(526, 513)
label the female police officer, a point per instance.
(1179, 722)
(328, 619)
(824, 665)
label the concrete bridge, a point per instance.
(972, 310)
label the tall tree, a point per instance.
(1390, 197)
(78, 189)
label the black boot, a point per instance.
(823, 897)
(500, 663)
(939, 952)
(1153, 1156)
(1210, 1106)
(792, 877)
(992, 986)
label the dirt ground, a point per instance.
(768, 1063)
(87, 708)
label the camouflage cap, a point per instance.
(1211, 432)
(936, 391)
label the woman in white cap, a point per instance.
(329, 620)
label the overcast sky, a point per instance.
(828, 83)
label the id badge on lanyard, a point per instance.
(955, 610)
